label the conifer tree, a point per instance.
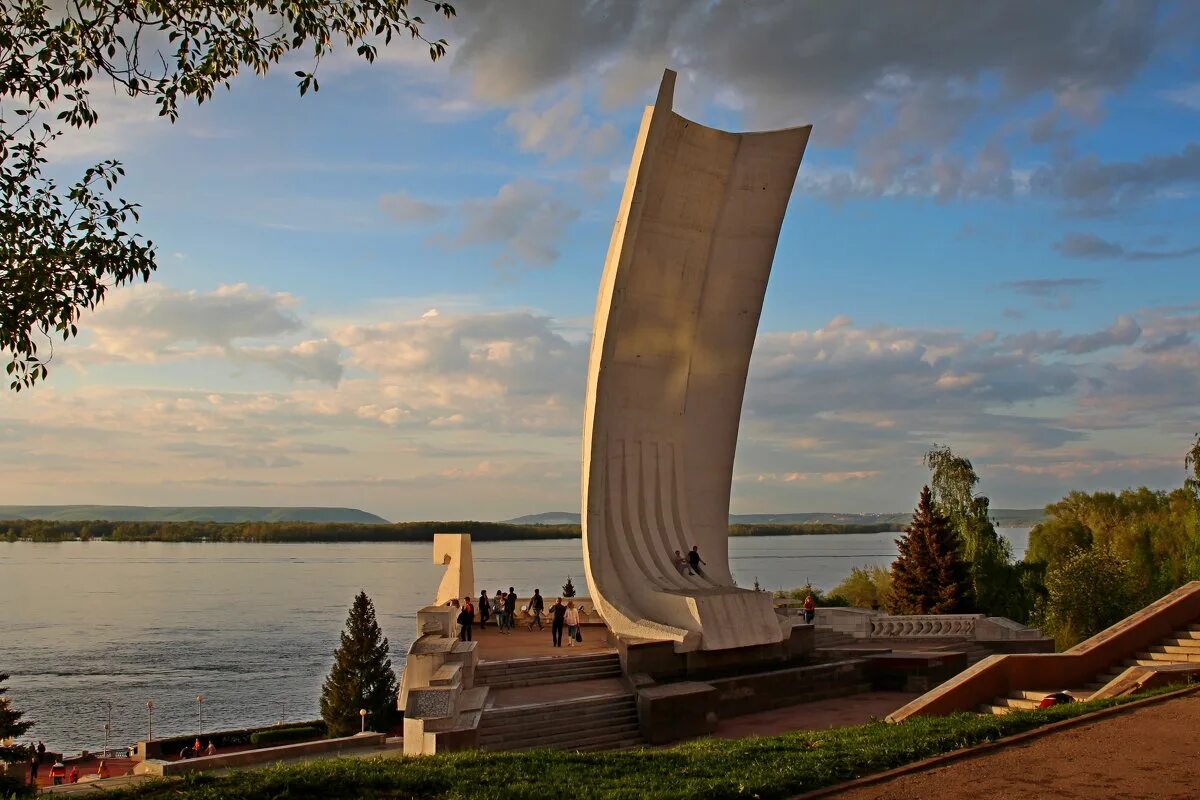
(361, 677)
(929, 576)
(11, 725)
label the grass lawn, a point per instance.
(764, 767)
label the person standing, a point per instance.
(466, 618)
(58, 771)
(498, 609)
(681, 564)
(510, 608)
(558, 613)
(572, 620)
(536, 606)
(102, 770)
(694, 560)
(485, 608)
(41, 751)
(810, 609)
(33, 768)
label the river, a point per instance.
(253, 627)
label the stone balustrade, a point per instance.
(960, 626)
(862, 623)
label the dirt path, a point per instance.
(1149, 753)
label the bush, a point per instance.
(14, 787)
(865, 587)
(284, 735)
(823, 600)
(1087, 591)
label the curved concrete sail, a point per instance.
(675, 322)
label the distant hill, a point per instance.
(1004, 517)
(190, 514)
(547, 518)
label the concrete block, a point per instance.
(674, 711)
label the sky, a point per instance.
(380, 296)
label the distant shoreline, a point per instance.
(294, 532)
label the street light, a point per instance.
(362, 712)
(199, 715)
(107, 725)
(150, 728)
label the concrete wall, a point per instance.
(262, 755)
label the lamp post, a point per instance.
(150, 726)
(199, 715)
(362, 712)
(107, 725)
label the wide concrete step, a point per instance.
(579, 737)
(545, 661)
(1017, 702)
(1181, 641)
(559, 709)
(1153, 654)
(989, 708)
(1182, 653)
(563, 676)
(604, 740)
(491, 727)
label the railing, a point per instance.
(912, 625)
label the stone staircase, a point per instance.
(547, 669)
(604, 722)
(1180, 647)
(829, 639)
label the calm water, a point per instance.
(252, 627)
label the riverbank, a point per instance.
(319, 532)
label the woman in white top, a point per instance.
(572, 620)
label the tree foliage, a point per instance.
(1087, 591)
(62, 248)
(929, 576)
(865, 587)
(12, 725)
(361, 677)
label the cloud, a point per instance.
(403, 207)
(1186, 96)
(1089, 246)
(905, 90)
(1093, 187)
(562, 129)
(155, 323)
(1123, 332)
(524, 221)
(1050, 292)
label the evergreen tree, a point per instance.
(928, 577)
(568, 588)
(361, 677)
(11, 726)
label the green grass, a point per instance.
(767, 767)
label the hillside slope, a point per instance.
(190, 514)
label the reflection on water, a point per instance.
(253, 626)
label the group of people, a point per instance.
(503, 606)
(691, 563)
(194, 750)
(59, 774)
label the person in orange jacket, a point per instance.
(810, 609)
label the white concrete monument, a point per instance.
(454, 550)
(675, 322)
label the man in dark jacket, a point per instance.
(510, 607)
(466, 618)
(558, 613)
(536, 606)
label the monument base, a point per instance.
(659, 660)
